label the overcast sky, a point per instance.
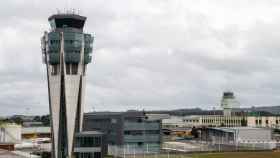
(148, 54)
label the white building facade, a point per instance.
(10, 133)
(264, 121)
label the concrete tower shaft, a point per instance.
(66, 53)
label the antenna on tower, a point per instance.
(67, 6)
(58, 11)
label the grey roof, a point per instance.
(8, 154)
(30, 130)
(126, 113)
(158, 116)
(62, 16)
(88, 133)
(233, 129)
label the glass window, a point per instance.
(140, 143)
(152, 132)
(97, 155)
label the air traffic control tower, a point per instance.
(66, 52)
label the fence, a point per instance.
(182, 147)
(122, 151)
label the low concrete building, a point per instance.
(173, 122)
(35, 132)
(215, 121)
(10, 133)
(205, 120)
(222, 121)
(264, 121)
(242, 136)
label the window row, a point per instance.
(88, 155)
(266, 122)
(88, 142)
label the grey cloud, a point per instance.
(148, 54)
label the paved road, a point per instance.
(7, 154)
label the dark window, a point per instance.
(152, 132)
(84, 69)
(140, 143)
(85, 155)
(97, 155)
(136, 132)
(68, 69)
(54, 69)
(88, 142)
(266, 121)
(69, 22)
(276, 121)
(75, 69)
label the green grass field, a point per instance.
(215, 155)
(236, 155)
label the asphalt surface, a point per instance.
(8, 154)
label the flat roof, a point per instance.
(88, 133)
(233, 129)
(30, 130)
(8, 154)
(10, 125)
(158, 116)
(125, 113)
(63, 16)
(67, 20)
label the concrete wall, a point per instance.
(10, 133)
(254, 134)
(263, 121)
